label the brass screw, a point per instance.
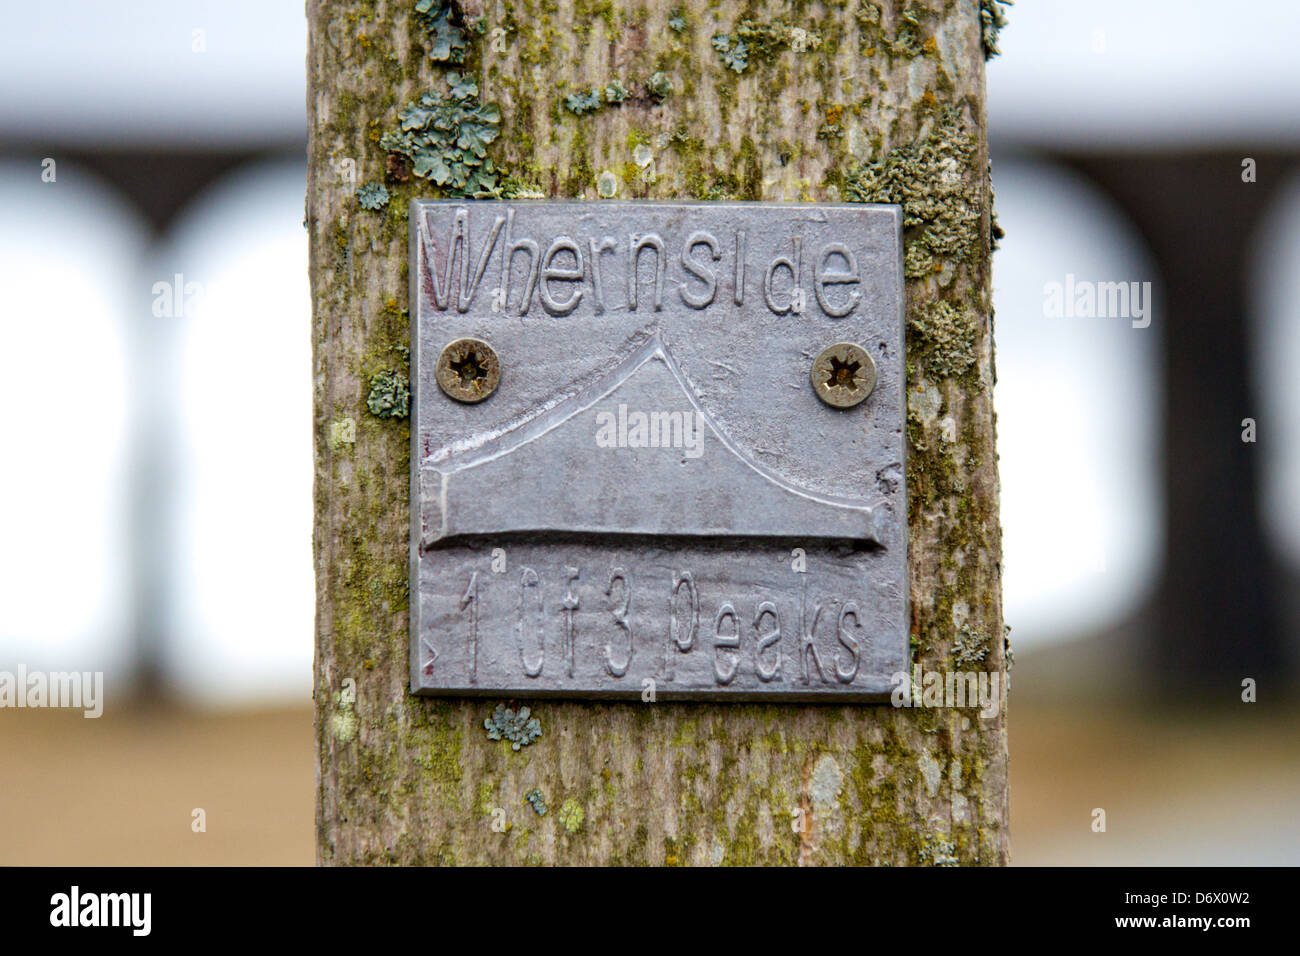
(468, 370)
(843, 375)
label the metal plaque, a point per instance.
(657, 450)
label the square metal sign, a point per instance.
(658, 449)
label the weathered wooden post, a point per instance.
(837, 103)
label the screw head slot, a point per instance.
(468, 370)
(843, 375)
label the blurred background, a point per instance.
(155, 517)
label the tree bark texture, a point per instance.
(837, 101)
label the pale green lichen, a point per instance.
(971, 647)
(832, 129)
(907, 36)
(930, 179)
(537, 802)
(445, 135)
(769, 39)
(512, 188)
(390, 395)
(762, 41)
(615, 92)
(342, 432)
(938, 852)
(659, 86)
(868, 17)
(444, 24)
(581, 103)
(518, 727)
(992, 19)
(906, 41)
(372, 196)
(734, 53)
(946, 336)
(572, 815)
(343, 725)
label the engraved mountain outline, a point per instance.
(506, 484)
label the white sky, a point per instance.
(129, 71)
(1108, 72)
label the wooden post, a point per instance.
(849, 100)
